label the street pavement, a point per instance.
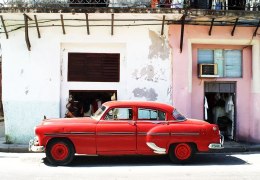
(229, 146)
(224, 166)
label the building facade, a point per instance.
(38, 82)
(130, 54)
(240, 83)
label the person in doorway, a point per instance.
(219, 109)
(71, 108)
(88, 109)
(96, 104)
(113, 97)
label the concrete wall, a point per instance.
(35, 84)
(188, 89)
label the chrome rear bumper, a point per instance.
(217, 145)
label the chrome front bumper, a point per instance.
(34, 146)
(217, 145)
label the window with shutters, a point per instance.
(229, 62)
(94, 67)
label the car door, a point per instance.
(116, 132)
(147, 119)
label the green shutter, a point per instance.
(219, 60)
(205, 56)
(233, 63)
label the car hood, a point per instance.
(67, 121)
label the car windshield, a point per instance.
(177, 115)
(97, 115)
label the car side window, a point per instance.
(151, 114)
(119, 114)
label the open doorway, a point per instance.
(84, 103)
(220, 106)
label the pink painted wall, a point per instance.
(189, 98)
(243, 95)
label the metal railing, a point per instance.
(246, 5)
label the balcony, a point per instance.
(195, 12)
(242, 5)
(211, 13)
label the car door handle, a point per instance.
(133, 123)
(159, 122)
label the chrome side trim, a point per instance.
(185, 134)
(142, 133)
(71, 133)
(116, 134)
(158, 134)
(157, 150)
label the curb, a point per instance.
(245, 148)
(14, 148)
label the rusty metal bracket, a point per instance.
(37, 26)
(257, 27)
(211, 26)
(3, 22)
(112, 24)
(62, 24)
(27, 40)
(182, 32)
(163, 22)
(87, 23)
(235, 25)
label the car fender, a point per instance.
(159, 136)
(188, 133)
(79, 134)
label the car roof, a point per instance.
(150, 104)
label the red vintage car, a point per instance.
(126, 128)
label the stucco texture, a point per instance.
(35, 82)
(188, 89)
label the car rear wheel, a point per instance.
(181, 152)
(60, 152)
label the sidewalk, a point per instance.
(9, 147)
(17, 148)
(233, 147)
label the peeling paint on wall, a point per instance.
(159, 47)
(26, 90)
(148, 73)
(21, 72)
(148, 94)
(169, 91)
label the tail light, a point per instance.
(215, 128)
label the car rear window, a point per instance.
(177, 115)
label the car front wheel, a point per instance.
(60, 152)
(181, 152)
